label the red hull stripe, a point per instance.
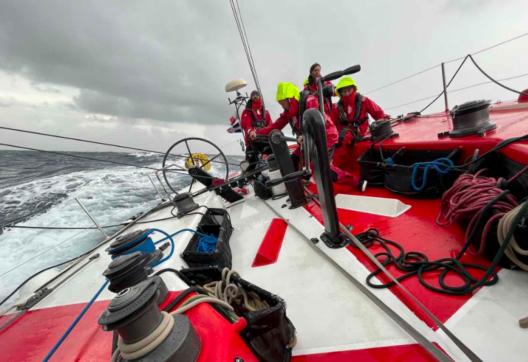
(407, 353)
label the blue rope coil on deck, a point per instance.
(206, 244)
(441, 165)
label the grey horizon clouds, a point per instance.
(168, 61)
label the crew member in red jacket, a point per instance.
(350, 114)
(253, 117)
(288, 96)
(310, 86)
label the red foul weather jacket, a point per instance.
(345, 114)
(252, 119)
(291, 116)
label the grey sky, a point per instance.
(145, 73)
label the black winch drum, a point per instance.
(471, 118)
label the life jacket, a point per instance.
(256, 121)
(356, 121)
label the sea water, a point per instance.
(39, 189)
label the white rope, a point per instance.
(513, 248)
(155, 338)
(234, 294)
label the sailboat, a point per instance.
(425, 261)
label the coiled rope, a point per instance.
(465, 201)
(224, 292)
(441, 165)
(233, 293)
(513, 248)
(155, 338)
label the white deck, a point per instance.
(329, 313)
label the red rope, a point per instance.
(465, 200)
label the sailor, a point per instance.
(254, 117)
(350, 114)
(310, 86)
(310, 83)
(288, 97)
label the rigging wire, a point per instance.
(447, 85)
(490, 47)
(72, 237)
(458, 90)
(490, 78)
(95, 142)
(447, 62)
(80, 255)
(402, 79)
(257, 81)
(245, 43)
(8, 225)
(78, 156)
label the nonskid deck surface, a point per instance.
(488, 320)
(329, 313)
(334, 320)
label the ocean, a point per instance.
(39, 189)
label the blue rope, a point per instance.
(389, 161)
(208, 240)
(74, 323)
(442, 165)
(206, 243)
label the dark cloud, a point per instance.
(137, 60)
(169, 60)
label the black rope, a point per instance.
(446, 62)
(490, 78)
(476, 162)
(417, 264)
(457, 90)
(447, 85)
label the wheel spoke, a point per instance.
(190, 154)
(210, 160)
(192, 183)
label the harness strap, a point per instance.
(257, 122)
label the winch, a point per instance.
(130, 269)
(146, 333)
(471, 118)
(138, 240)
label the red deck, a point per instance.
(416, 229)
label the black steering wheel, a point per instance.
(193, 152)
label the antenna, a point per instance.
(240, 99)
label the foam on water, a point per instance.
(112, 195)
(40, 189)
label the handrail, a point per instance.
(314, 134)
